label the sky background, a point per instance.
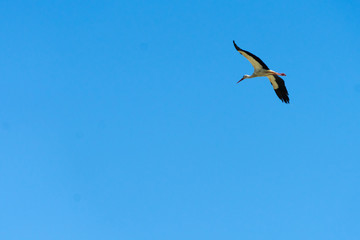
(123, 120)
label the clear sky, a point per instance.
(123, 120)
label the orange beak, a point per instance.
(241, 79)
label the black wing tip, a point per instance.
(286, 100)
(283, 95)
(281, 91)
(236, 46)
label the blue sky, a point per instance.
(123, 120)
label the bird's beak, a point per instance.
(241, 79)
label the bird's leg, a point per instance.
(271, 72)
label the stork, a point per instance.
(261, 70)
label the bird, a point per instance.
(261, 70)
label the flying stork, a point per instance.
(261, 70)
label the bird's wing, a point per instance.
(254, 60)
(279, 87)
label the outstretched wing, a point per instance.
(279, 87)
(254, 60)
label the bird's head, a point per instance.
(244, 77)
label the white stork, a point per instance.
(261, 70)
